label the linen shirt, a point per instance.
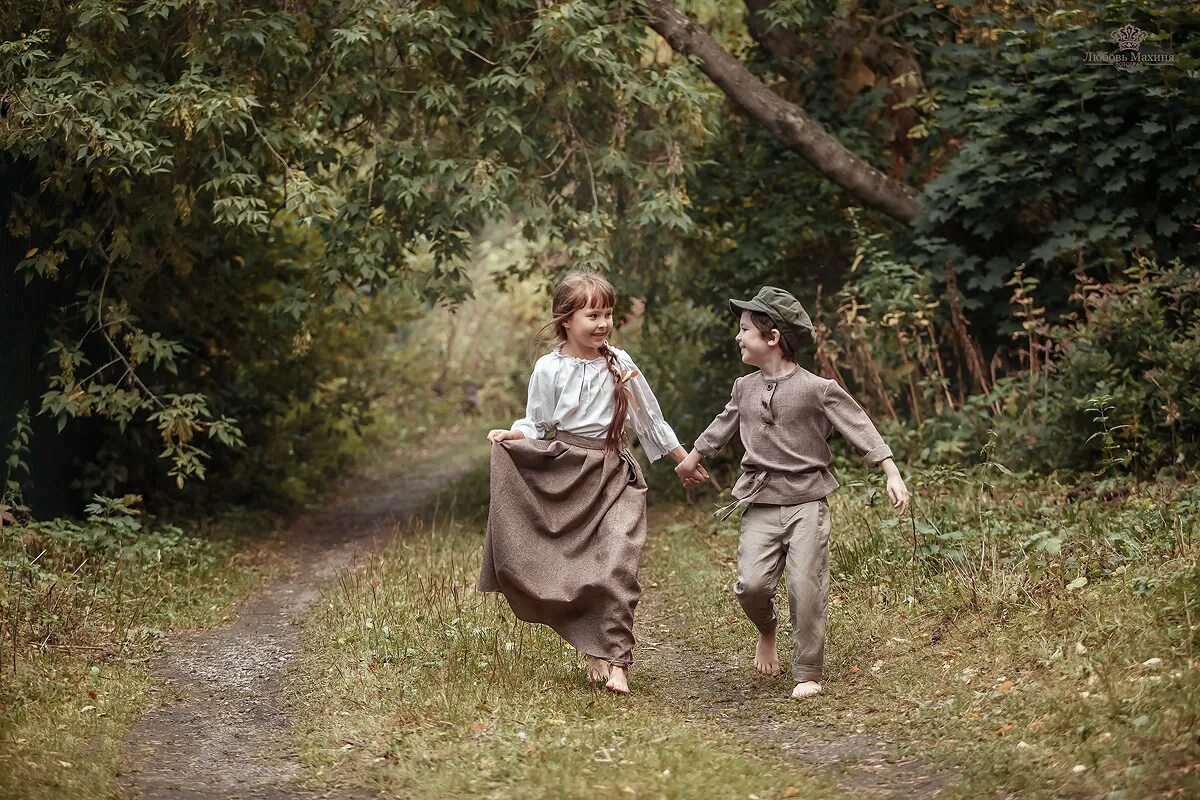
(784, 424)
(576, 395)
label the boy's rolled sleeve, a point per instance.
(720, 430)
(849, 419)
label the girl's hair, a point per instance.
(765, 326)
(591, 290)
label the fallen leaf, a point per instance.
(1003, 729)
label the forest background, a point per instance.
(243, 241)
(205, 240)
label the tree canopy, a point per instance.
(211, 206)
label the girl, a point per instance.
(567, 518)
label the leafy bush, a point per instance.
(1136, 346)
(97, 581)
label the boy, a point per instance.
(784, 415)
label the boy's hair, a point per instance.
(764, 325)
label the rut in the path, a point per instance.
(224, 730)
(864, 764)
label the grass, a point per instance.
(1034, 639)
(414, 683)
(84, 607)
(967, 636)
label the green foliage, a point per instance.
(236, 213)
(1103, 391)
(1136, 347)
(218, 231)
(1031, 163)
(1064, 162)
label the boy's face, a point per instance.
(755, 350)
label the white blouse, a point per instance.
(576, 395)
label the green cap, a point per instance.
(785, 311)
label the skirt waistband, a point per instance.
(586, 442)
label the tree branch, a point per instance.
(786, 120)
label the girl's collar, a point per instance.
(558, 352)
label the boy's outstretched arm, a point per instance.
(715, 436)
(849, 419)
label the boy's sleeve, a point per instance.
(720, 430)
(852, 422)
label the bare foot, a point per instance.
(806, 689)
(766, 659)
(618, 681)
(597, 670)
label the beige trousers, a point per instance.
(792, 541)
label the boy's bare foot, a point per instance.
(806, 689)
(766, 659)
(598, 670)
(618, 681)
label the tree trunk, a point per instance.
(787, 121)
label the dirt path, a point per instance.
(223, 729)
(864, 764)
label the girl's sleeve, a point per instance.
(657, 437)
(539, 405)
(721, 429)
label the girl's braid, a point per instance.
(616, 429)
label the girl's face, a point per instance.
(588, 327)
(755, 350)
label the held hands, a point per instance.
(499, 435)
(690, 472)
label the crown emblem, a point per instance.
(1129, 37)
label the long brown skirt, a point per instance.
(566, 527)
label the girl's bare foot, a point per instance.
(806, 689)
(766, 659)
(598, 670)
(618, 681)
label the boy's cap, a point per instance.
(785, 312)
